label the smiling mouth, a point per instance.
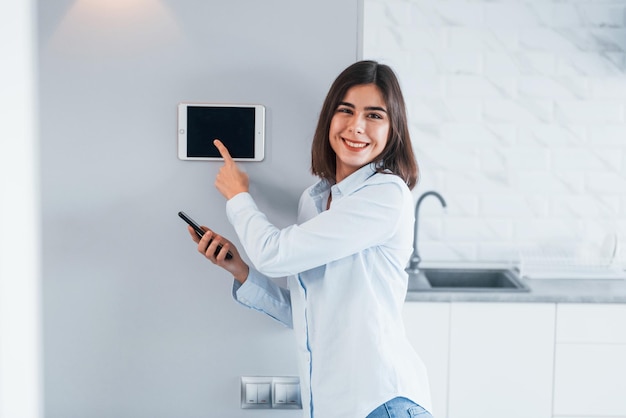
(355, 145)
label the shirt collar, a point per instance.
(347, 185)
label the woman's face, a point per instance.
(359, 129)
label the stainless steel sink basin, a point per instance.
(466, 280)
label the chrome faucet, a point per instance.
(415, 258)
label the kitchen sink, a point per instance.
(466, 280)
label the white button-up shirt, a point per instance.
(347, 285)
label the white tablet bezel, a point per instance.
(259, 130)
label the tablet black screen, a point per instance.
(234, 126)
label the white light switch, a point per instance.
(293, 393)
(252, 393)
(256, 392)
(263, 393)
(280, 393)
(287, 393)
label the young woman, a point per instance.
(344, 258)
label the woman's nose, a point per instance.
(357, 125)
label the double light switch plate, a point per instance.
(263, 392)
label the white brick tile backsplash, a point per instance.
(430, 228)
(503, 251)
(586, 158)
(595, 40)
(390, 39)
(520, 111)
(547, 134)
(609, 87)
(477, 229)
(461, 86)
(478, 134)
(546, 39)
(516, 14)
(513, 206)
(528, 158)
(564, 87)
(519, 63)
(425, 110)
(584, 206)
(426, 86)
(547, 230)
(493, 162)
(589, 111)
(566, 15)
(430, 178)
(605, 183)
(448, 251)
(434, 38)
(621, 230)
(452, 158)
(517, 112)
(396, 12)
(459, 205)
(614, 134)
(425, 132)
(465, 182)
(590, 64)
(464, 14)
(477, 39)
(606, 39)
(587, 14)
(547, 182)
(603, 15)
(460, 62)
(423, 63)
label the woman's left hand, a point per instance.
(208, 246)
(230, 180)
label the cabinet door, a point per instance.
(501, 360)
(428, 328)
(591, 323)
(590, 380)
(590, 366)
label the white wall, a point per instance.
(517, 111)
(136, 323)
(20, 374)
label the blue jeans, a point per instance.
(399, 408)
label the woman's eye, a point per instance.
(375, 116)
(344, 110)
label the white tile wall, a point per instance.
(518, 117)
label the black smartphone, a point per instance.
(200, 232)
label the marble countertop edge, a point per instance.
(541, 291)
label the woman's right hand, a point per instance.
(235, 266)
(230, 180)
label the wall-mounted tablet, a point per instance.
(241, 127)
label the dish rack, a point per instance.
(559, 261)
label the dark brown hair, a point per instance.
(397, 156)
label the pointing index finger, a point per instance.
(223, 151)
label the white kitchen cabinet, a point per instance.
(428, 328)
(591, 323)
(501, 360)
(590, 366)
(486, 359)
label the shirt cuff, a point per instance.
(248, 291)
(261, 294)
(239, 202)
